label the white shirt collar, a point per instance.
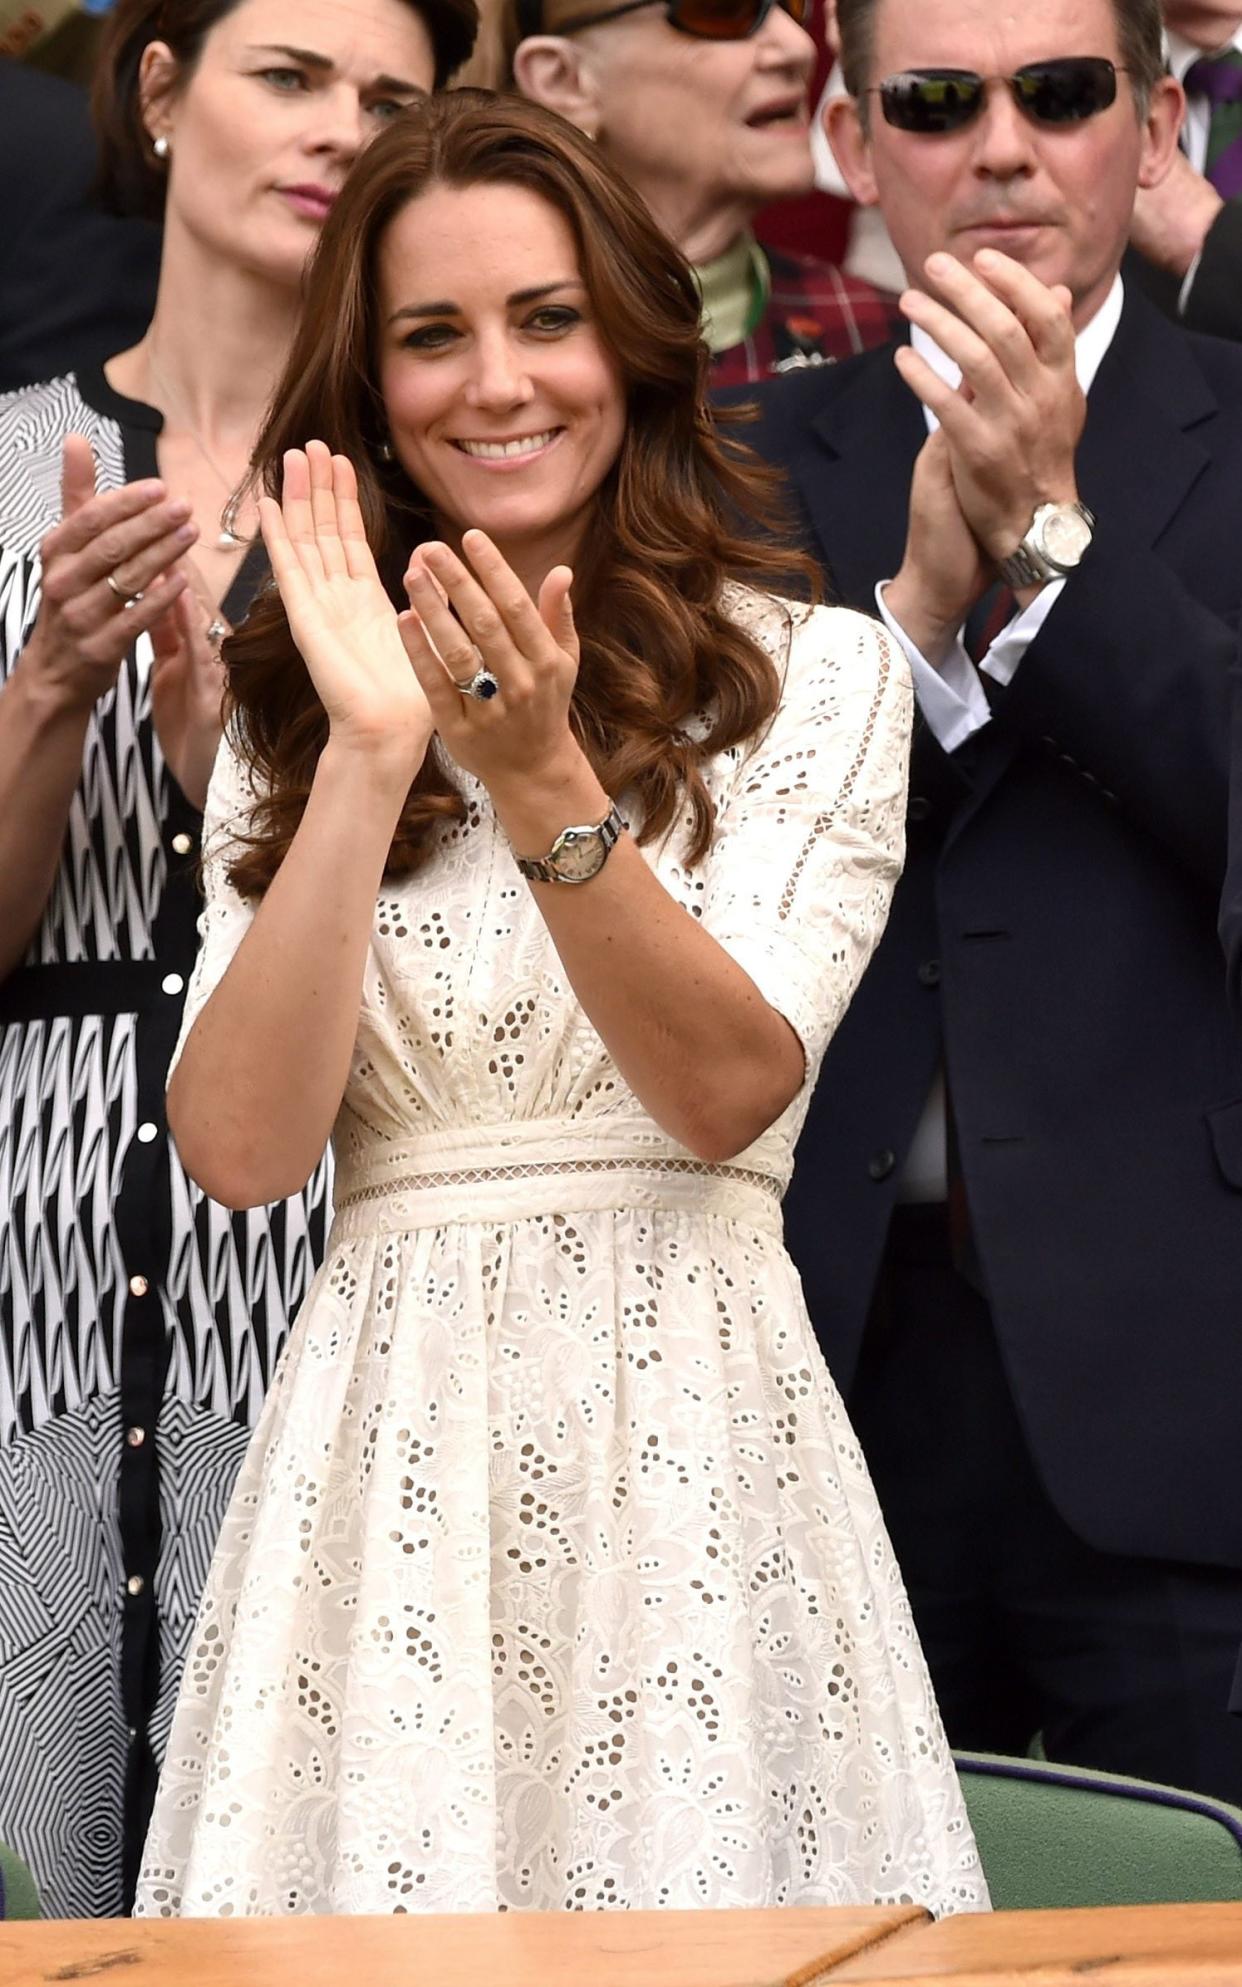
(1180, 53)
(1089, 346)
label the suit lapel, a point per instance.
(1139, 458)
(1140, 454)
(854, 475)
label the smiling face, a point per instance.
(264, 129)
(1057, 198)
(698, 125)
(504, 405)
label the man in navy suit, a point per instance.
(1018, 1202)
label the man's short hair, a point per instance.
(1139, 36)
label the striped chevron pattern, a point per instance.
(84, 1202)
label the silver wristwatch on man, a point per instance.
(578, 853)
(1054, 545)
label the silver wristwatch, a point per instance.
(577, 854)
(1054, 545)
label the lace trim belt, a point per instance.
(519, 1172)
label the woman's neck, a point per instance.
(214, 349)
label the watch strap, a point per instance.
(542, 869)
(1026, 567)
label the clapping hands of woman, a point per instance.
(342, 620)
(115, 568)
(498, 671)
(386, 680)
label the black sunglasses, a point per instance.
(1066, 91)
(706, 20)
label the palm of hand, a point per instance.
(187, 686)
(340, 617)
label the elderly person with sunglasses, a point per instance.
(1027, 1131)
(702, 106)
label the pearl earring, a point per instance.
(161, 147)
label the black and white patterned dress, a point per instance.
(139, 1322)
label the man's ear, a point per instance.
(1162, 125)
(851, 148)
(553, 70)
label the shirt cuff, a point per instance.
(1002, 659)
(950, 697)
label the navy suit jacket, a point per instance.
(1054, 939)
(76, 285)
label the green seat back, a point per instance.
(1056, 1836)
(18, 1896)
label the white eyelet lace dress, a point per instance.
(554, 1577)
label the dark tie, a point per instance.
(1219, 79)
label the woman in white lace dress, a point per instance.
(554, 1577)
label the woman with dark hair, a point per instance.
(139, 1322)
(553, 1577)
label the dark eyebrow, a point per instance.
(324, 63)
(447, 309)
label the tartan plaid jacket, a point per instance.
(815, 313)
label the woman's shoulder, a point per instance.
(34, 421)
(814, 643)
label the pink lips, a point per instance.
(313, 202)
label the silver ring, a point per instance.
(216, 633)
(126, 599)
(481, 686)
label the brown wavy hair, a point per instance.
(682, 511)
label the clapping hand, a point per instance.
(342, 620)
(465, 622)
(111, 571)
(187, 685)
(1012, 427)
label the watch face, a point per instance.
(578, 854)
(1065, 535)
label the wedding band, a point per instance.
(126, 599)
(481, 685)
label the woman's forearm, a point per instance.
(253, 1099)
(705, 1054)
(42, 731)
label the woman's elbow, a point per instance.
(727, 1120)
(233, 1170)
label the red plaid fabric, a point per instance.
(815, 313)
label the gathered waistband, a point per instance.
(517, 1172)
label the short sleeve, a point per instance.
(226, 916)
(811, 835)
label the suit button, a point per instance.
(929, 973)
(881, 1163)
(918, 807)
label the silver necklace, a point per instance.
(229, 539)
